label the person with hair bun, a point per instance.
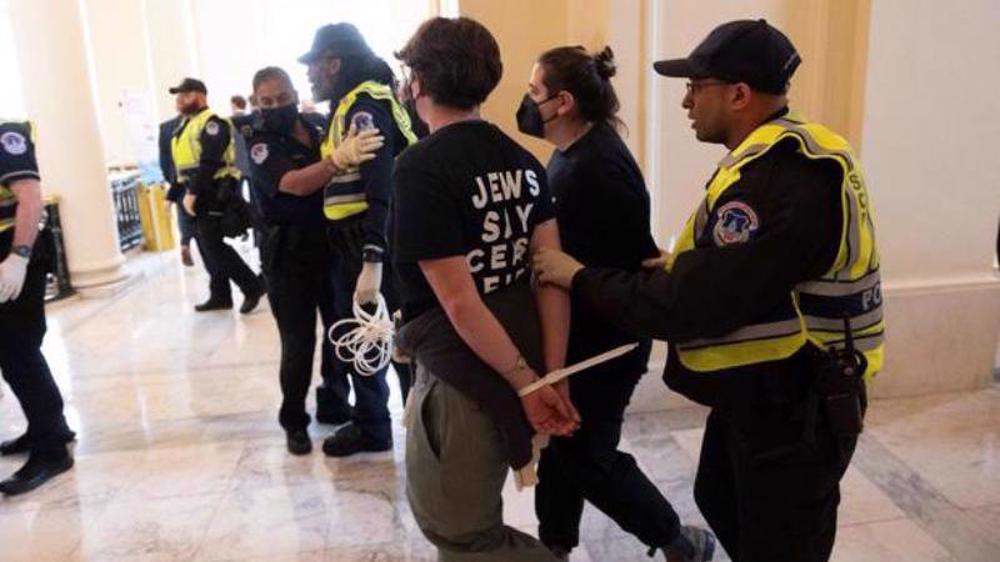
(603, 212)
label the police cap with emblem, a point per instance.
(338, 39)
(189, 85)
(749, 51)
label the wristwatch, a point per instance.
(22, 250)
(371, 253)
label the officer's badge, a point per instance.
(362, 120)
(14, 143)
(258, 153)
(212, 128)
(736, 222)
(246, 131)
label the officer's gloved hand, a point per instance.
(357, 148)
(12, 273)
(369, 281)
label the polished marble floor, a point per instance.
(180, 457)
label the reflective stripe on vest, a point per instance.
(186, 149)
(8, 201)
(815, 309)
(344, 195)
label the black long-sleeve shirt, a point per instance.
(376, 174)
(790, 212)
(603, 210)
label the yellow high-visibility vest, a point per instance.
(8, 202)
(344, 195)
(186, 149)
(815, 309)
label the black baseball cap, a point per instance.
(339, 39)
(189, 85)
(750, 51)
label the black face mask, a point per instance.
(529, 118)
(420, 128)
(280, 119)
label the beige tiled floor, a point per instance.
(179, 456)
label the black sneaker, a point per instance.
(693, 544)
(251, 300)
(19, 445)
(298, 442)
(350, 440)
(213, 304)
(40, 468)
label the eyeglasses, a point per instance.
(695, 87)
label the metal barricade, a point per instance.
(124, 191)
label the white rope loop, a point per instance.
(368, 344)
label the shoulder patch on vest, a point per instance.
(212, 128)
(363, 120)
(736, 222)
(259, 153)
(14, 143)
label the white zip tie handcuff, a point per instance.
(367, 346)
(560, 374)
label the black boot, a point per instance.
(40, 468)
(19, 445)
(251, 299)
(350, 440)
(298, 442)
(214, 304)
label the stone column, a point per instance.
(57, 76)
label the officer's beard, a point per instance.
(191, 108)
(323, 90)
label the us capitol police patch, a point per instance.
(735, 224)
(259, 153)
(14, 143)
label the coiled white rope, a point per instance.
(368, 345)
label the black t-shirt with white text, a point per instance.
(466, 190)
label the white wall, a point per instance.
(929, 149)
(930, 136)
(235, 38)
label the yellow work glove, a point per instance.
(357, 148)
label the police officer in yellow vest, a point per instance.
(360, 88)
(205, 159)
(24, 260)
(771, 267)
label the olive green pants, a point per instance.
(455, 474)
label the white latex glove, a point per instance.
(12, 273)
(357, 148)
(369, 282)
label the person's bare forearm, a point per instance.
(455, 289)
(488, 339)
(554, 312)
(29, 211)
(308, 180)
(553, 303)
